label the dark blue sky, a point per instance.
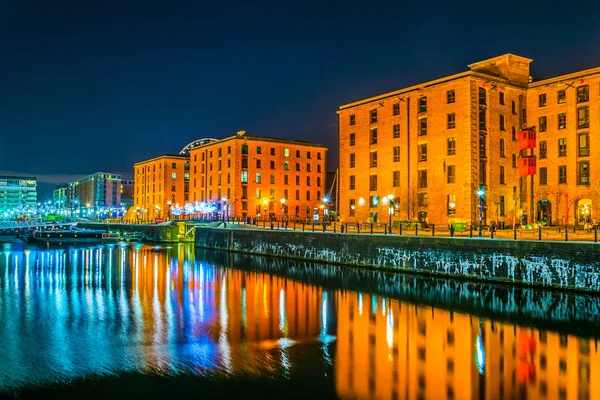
(97, 85)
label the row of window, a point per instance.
(286, 152)
(583, 174)
(245, 162)
(583, 146)
(258, 195)
(140, 170)
(583, 95)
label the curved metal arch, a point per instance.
(196, 143)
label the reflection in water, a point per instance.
(80, 312)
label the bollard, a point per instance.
(264, 221)
(346, 227)
(451, 230)
(471, 231)
(342, 228)
(416, 230)
(432, 229)
(385, 229)
(371, 229)
(302, 226)
(358, 227)
(595, 233)
(566, 233)
(313, 226)
(540, 232)
(324, 226)
(294, 224)
(400, 229)
(492, 230)
(272, 225)
(333, 228)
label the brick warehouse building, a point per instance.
(249, 176)
(159, 184)
(432, 146)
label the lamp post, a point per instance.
(481, 194)
(283, 200)
(156, 211)
(169, 204)
(224, 200)
(265, 202)
(390, 208)
(137, 214)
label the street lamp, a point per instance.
(265, 202)
(481, 194)
(156, 211)
(390, 198)
(224, 200)
(282, 209)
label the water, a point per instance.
(110, 321)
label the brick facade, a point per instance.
(247, 176)
(462, 130)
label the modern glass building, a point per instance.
(16, 191)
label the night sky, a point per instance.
(97, 85)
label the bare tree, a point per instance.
(495, 200)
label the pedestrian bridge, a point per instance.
(13, 227)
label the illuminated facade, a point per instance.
(60, 197)
(246, 176)
(17, 191)
(161, 185)
(388, 349)
(432, 146)
(94, 192)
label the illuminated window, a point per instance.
(258, 178)
(271, 193)
(562, 121)
(562, 147)
(451, 204)
(286, 165)
(583, 144)
(583, 94)
(174, 175)
(583, 117)
(562, 96)
(423, 152)
(286, 152)
(451, 146)
(258, 196)
(258, 150)
(244, 177)
(583, 173)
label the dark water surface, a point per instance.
(122, 322)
